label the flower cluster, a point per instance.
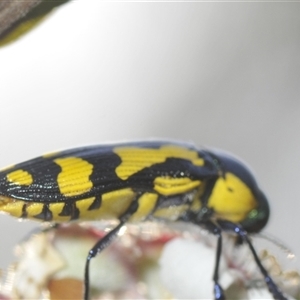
(147, 261)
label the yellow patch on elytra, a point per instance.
(83, 206)
(171, 186)
(74, 178)
(231, 199)
(113, 205)
(20, 177)
(56, 209)
(147, 203)
(135, 159)
(34, 209)
(11, 207)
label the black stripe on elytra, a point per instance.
(96, 203)
(104, 178)
(173, 167)
(45, 215)
(24, 212)
(44, 187)
(70, 210)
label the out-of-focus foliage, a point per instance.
(18, 17)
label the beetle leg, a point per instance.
(216, 230)
(273, 288)
(106, 241)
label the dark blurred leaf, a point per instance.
(18, 16)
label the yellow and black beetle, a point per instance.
(139, 181)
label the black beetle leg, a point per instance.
(214, 229)
(273, 288)
(105, 242)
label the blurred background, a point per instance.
(225, 75)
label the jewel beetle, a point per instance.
(138, 181)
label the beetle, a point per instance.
(138, 181)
